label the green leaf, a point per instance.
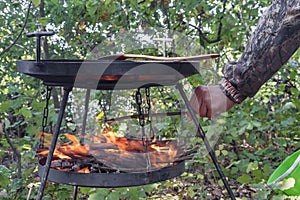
(134, 192)
(242, 164)
(43, 21)
(63, 194)
(289, 105)
(168, 183)
(224, 152)
(122, 190)
(200, 176)
(267, 169)
(149, 188)
(92, 8)
(101, 194)
(113, 196)
(287, 122)
(4, 170)
(5, 106)
(4, 180)
(234, 170)
(25, 112)
(85, 190)
(294, 91)
(29, 171)
(36, 3)
(261, 192)
(252, 166)
(257, 174)
(191, 192)
(257, 124)
(250, 126)
(98, 196)
(244, 179)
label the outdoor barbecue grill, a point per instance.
(107, 74)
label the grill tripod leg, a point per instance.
(200, 133)
(56, 131)
(75, 192)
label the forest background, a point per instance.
(256, 137)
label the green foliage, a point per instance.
(36, 2)
(4, 175)
(253, 139)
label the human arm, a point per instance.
(274, 41)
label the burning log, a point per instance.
(114, 154)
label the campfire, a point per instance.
(108, 152)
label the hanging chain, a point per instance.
(139, 102)
(141, 117)
(148, 109)
(45, 117)
(148, 106)
(144, 110)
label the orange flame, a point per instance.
(160, 153)
(124, 143)
(75, 149)
(84, 170)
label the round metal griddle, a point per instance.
(108, 74)
(108, 180)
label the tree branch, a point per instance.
(218, 37)
(21, 32)
(14, 149)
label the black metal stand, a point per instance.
(200, 133)
(86, 109)
(56, 132)
(58, 73)
(75, 192)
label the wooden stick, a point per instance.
(159, 58)
(146, 115)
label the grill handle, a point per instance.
(38, 36)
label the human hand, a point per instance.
(210, 101)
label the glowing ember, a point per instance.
(84, 170)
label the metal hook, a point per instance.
(38, 36)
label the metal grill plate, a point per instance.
(106, 74)
(108, 180)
